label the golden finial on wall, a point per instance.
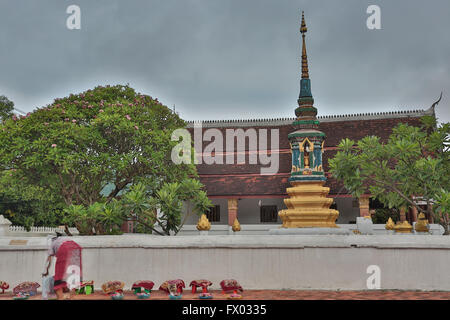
(403, 227)
(236, 226)
(389, 224)
(203, 223)
(422, 223)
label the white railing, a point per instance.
(33, 229)
(37, 231)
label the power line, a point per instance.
(20, 111)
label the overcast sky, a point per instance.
(230, 59)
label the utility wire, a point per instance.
(20, 111)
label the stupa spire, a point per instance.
(303, 30)
(305, 111)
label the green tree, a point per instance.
(441, 209)
(28, 205)
(382, 215)
(80, 144)
(140, 204)
(98, 218)
(6, 108)
(196, 200)
(414, 162)
(170, 199)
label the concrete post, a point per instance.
(4, 226)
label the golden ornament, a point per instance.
(403, 227)
(203, 223)
(236, 226)
(422, 223)
(389, 224)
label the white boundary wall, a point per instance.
(262, 228)
(407, 262)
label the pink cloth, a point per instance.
(68, 261)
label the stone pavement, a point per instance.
(282, 295)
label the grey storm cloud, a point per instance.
(230, 59)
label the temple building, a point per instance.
(240, 190)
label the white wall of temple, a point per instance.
(348, 210)
(223, 203)
(249, 210)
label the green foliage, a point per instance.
(171, 200)
(28, 205)
(6, 108)
(80, 144)
(382, 215)
(98, 218)
(414, 162)
(170, 204)
(140, 204)
(441, 209)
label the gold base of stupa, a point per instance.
(308, 206)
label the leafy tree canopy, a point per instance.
(28, 205)
(79, 144)
(414, 162)
(141, 206)
(168, 200)
(6, 108)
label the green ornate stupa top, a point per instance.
(306, 112)
(307, 141)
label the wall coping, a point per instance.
(242, 241)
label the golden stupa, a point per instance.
(308, 204)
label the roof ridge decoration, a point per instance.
(328, 118)
(436, 103)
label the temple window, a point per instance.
(213, 214)
(268, 213)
